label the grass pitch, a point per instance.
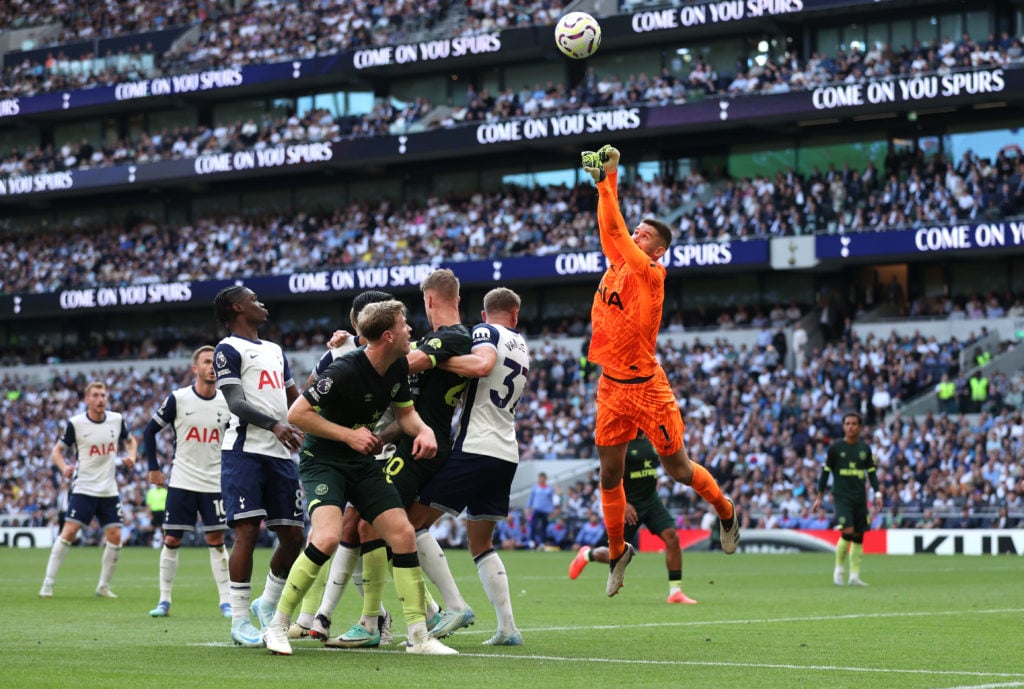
(763, 622)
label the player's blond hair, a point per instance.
(501, 300)
(199, 351)
(378, 318)
(443, 282)
(94, 384)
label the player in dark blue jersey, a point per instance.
(259, 480)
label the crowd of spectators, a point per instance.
(81, 20)
(857, 65)
(58, 72)
(266, 32)
(761, 428)
(315, 126)
(511, 222)
(262, 31)
(272, 32)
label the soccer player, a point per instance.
(485, 454)
(259, 479)
(337, 464)
(94, 435)
(314, 620)
(633, 392)
(643, 506)
(342, 341)
(847, 461)
(198, 414)
(436, 392)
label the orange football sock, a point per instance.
(706, 486)
(613, 504)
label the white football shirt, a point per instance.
(261, 368)
(95, 444)
(487, 423)
(198, 424)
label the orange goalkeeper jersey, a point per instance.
(626, 314)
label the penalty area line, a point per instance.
(1019, 677)
(763, 666)
(775, 620)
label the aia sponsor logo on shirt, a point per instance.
(203, 435)
(102, 449)
(609, 298)
(271, 379)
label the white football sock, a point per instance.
(111, 553)
(57, 554)
(168, 570)
(342, 566)
(492, 574)
(435, 566)
(219, 566)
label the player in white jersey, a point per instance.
(478, 474)
(198, 415)
(94, 436)
(259, 478)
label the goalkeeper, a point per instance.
(643, 506)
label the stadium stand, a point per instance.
(785, 204)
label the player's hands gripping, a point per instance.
(609, 158)
(290, 436)
(592, 165)
(338, 338)
(598, 164)
(363, 441)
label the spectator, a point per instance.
(511, 533)
(539, 507)
(591, 533)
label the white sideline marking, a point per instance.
(692, 663)
(695, 663)
(765, 620)
(988, 686)
(767, 666)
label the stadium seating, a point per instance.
(909, 194)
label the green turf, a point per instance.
(763, 621)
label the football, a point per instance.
(578, 35)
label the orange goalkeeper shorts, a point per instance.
(648, 405)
